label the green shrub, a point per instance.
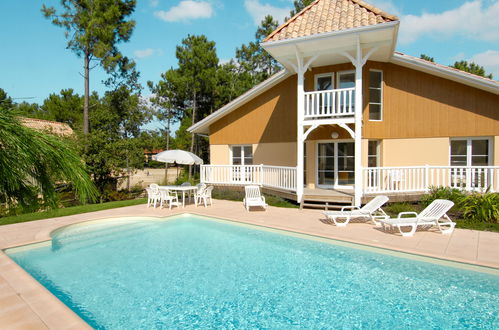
(451, 194)
(393, 209)
(481, 207)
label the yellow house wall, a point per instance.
(415, 152)
(219, 154)
(277, 154)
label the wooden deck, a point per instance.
(329, 198)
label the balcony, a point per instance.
(330, 104)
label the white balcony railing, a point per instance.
(421, 178)
(279, 177)
(330, 103)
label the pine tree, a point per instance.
(472, 67)
(93, 29)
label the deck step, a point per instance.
(324, 204)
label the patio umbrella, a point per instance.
(178, 157)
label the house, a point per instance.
(350, 116)
(49, 126)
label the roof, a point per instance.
(54, 127)
(445, 71)
(324, 16)
(202, 126)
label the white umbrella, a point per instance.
(178, 156)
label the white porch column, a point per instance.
(300, 107)
(358, 63)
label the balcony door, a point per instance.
(336, 164)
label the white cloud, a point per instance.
(153, 3)
(471, 20)
(489, 60)
(258, 11)
(142, 53)
(385, 5)
(186, 10)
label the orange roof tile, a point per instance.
(328, 16)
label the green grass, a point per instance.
(484, 226)
(69, 211)
(237, 195)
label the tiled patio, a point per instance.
(25, 304)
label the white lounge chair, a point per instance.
(169, 197)
(372, 211)
(153, 195)
(253, 197)
(433, 215)
(205, 196)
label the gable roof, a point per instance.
(49, 126)
(323, 16)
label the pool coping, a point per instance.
(44, 310)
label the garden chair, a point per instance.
(372, 211)
(253, 197)
(433, 215)
(153, 194)
(205, 196)
(169, 197)
(199, 193)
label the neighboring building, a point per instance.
(49, 126)
(349, 115)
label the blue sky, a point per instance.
(35, 63)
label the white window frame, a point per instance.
(468, 148)
(382, 91)
(242, 153)
(322, 75)
(378, 152)
(339, 73)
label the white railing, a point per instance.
(330, 103)
(421, 178)
(279, 177)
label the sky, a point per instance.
(34, 61)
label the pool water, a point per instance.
(193, 272)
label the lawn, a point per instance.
(70, 211)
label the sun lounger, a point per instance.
(371, 211)
(253, 197)
(433, 215)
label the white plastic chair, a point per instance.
(205, 195)
(169, 197)
(153, 194)
(253, 197)
(372, 211)
(199, 193)
(432, 215)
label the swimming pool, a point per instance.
(193, 272)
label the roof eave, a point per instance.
(325, 35)
(447, 73)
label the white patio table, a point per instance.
(182, 189)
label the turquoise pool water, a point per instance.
(191, 272)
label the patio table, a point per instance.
(182, 189)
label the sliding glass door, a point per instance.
(335, 164)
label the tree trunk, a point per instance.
(192, 136)
(86, 97)
(167, 145)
